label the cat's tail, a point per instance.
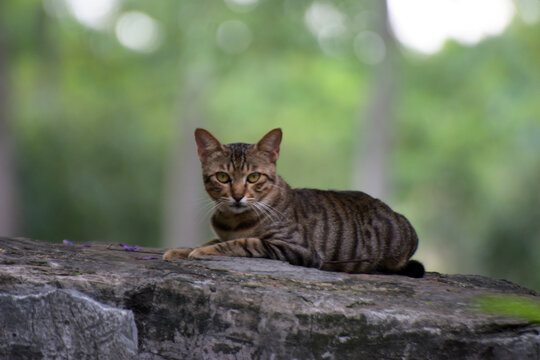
(413, 269)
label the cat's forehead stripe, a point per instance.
(238, 154)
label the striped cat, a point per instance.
(258, 215)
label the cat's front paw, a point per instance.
(176, 254)
(202, 251)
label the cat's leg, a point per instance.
(253, 247)
(244, 247)
(177, 254)
(183, 253)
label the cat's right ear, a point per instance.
(206, 144)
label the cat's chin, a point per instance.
(237, 209)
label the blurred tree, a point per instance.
(9, 208)
(98, 126)
(374, 143)
(468, 146)
(513, 239)
(184, 194)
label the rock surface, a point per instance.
(75, 302)
(53, 323)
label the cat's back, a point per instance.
(352, 231)
(317, 201)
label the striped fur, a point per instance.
(331, 230)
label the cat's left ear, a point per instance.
(270, 144)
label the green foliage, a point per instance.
(468, 152)
(511, 306)
(95, 125)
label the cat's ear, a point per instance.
(206, 143)
(270, 144)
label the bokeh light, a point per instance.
(369, 47)
(241, 6)
(528, 10)
(234, 36)
(334, 41)
(103, 96)
(424, 25)
(95, 14)
(138, 31)
(320, 16)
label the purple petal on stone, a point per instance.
(130, 248)
(67, 242)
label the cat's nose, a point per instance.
(238, 197)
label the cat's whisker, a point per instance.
(251, 203)
(252, 206)
(271, 209)
(205, 209)
(214, 205)
(207, 206)
(264, 212)
(267, 211)
(207, 213)
(203, 198)
(205, 203)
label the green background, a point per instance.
(95, 126)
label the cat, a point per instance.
(257, 214)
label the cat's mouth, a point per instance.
(237, 206)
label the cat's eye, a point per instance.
(223, 177)
(253, 177)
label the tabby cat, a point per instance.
(258, 215)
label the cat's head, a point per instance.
(238, 175)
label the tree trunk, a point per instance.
(184, 224)
(372, 152)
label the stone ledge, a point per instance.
(49, 323)
(241, 308)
